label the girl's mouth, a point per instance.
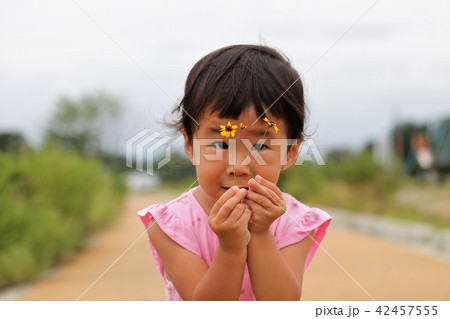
(227, 188)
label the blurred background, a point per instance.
(80, 78)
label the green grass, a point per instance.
(50, 201)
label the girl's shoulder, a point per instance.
(299, 221)
(292, 202)
(304, 216)
(163, 208)
(175, 220)
(181, 210)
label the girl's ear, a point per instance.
(292, 154)
(187, 145)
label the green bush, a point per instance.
(50, 201)
(354, 182)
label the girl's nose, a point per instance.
(238, 170)
(241, 164)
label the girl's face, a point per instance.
(220, 161)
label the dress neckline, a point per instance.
(191, 193)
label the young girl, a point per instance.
(236, 236)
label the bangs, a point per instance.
(242, 85)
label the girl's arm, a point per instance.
(276, 274)
(190, 274)
(223, 280)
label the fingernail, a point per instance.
(258, 178)
(235, 188)
(243, 191)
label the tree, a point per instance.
(13, 142)
(85, 125)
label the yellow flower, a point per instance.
(272, 124)
(243, 126)
(226, 130)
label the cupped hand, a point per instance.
(266, 203)
(229, 220)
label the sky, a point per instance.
(365, 65)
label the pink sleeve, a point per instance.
(295, 226)
(171, 224)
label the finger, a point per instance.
(261, 199)
(269, 184)
(229, 205)
(236, 213)
(268, 193)
(245, 216)
(254, 206)
(222, 200)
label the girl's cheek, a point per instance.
(211, 155)
(271, 157)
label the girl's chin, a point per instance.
(212, 197)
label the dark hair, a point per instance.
(230, 79)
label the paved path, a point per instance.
(387, 271)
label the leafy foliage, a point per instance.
(49, 202)
(85, 125)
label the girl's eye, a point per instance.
(259, 147)
(221, 145)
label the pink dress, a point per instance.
(185, 221)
